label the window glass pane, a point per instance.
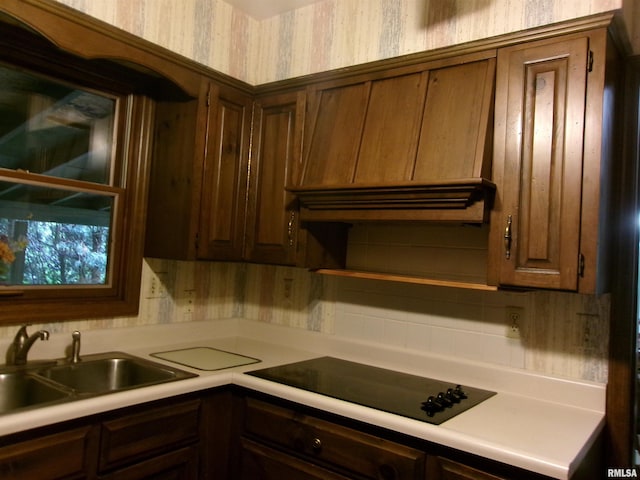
(53, 128)
(53, 236)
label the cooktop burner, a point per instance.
(412, 396)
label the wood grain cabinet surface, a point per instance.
(198, 185)
(225, 174)
(407, 143)
(550, 164)
(156, 440)
(62, 454)
(275, 439)
(217, 189)
(311, 443)
(273, 219)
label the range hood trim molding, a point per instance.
(464, 200)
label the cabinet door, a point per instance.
(538, 153)
(174, 185)
(272, 220)
(60, 455)
(225, 175)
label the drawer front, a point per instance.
(61, 455)
(332, 444)
(181, 464)
(444, 469)
(136, 436)
(264, 463)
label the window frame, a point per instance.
(22, 48)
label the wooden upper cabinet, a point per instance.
(197, 198)
(399, 144)
(225, 175)
(545, 221)
(275, 234)
(175, 181)
(272, 217)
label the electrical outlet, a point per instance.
(514, 318)
(189, 296)
(157, 288)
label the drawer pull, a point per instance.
(316, 445)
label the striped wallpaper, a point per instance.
(331, 33)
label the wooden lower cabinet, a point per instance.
(62, 454)
(329, 445)
(261, 462)
(236, 434)
(181, 464)
(276, 440)
(444, 469)
(159, 440)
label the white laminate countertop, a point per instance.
(539, 423)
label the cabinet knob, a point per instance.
(316, 445)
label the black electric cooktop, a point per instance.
(420, 398)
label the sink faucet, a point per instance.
(22, 343)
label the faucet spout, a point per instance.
(22, 343)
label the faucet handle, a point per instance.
(75, 347)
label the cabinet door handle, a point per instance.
(507, 238)
(292, 218)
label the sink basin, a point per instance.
(20, 390)
(42, 384)
(106, 373)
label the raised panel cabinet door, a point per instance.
(225, 175)
(540, 114)
(272, 215)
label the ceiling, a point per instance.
(261, 9)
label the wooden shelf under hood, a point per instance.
(392, 277)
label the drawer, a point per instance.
(264, 463)
(181, 464)
(133, 437)
(60, 455)
(332, 444)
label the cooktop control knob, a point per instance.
(451, 396)
(444, 401)
(459, 392)
(431, 406)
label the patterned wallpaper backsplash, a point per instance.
(562, 334)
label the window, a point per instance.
(75, 143)
(56, 231)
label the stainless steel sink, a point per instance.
(110, 372)
(20, 390)
(32, 386)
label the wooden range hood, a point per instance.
(406, 144)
